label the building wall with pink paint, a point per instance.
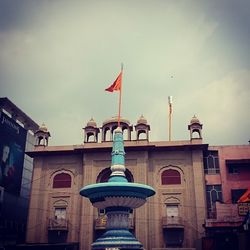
(234, 164)
(227, 177)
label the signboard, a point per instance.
(243, 208)
(12, 149)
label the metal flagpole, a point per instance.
(170, 102)
(120, 98)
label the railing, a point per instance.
(225, 215)
(211, 214)
(101, 222)
(172, 221)
(58, 224)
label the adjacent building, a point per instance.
(227, 177)
(16, 136)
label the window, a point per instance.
(60, 213)
(233, 169)
(237, 166)
(125, 132)
(107, 135)
(172, 210)
(213, 193)
(101, 212)
(142, 135)
(62, 180)
(236, 194)
(105, 174)
(170, 176)
(91, 137)
(211, 162)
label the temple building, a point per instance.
(173, 217)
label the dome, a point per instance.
(142, 120)
(194, 120)
(43, 128)
(91, 123)
(114, 120)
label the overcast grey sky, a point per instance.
(57, 57)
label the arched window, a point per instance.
(62, 180)
(170, 176)
(90, 137)
(107, 134)
(105, 174)
(125, 133)
(142, 134)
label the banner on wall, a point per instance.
(12, 150)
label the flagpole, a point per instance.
(120, 100)
(169, 126)
(170, 101)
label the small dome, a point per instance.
(92, 123)
(194, 120)
(43, 128)
(114, 120)
(142, 120)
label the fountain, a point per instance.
(117, 197)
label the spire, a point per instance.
(118, 158)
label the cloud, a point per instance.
(56, 58)
(222, 106)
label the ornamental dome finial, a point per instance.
(91, 123)
(142, 120)
(43, 128)
(194, 120)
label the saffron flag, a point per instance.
(116, 85)
(245, 197)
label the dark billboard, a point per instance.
(12, 149)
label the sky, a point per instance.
(58, 56)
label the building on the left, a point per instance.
(16, 136)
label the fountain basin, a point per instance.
(119, 194)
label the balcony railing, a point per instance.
(58, 224)
(211, 214)
(225, 215)
(101, 222)
(172, 222)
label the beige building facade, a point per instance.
(173, 217)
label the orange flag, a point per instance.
(116, 85)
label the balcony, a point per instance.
(172, 222)
(58, 224)
(225, 215)
(101, 222)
